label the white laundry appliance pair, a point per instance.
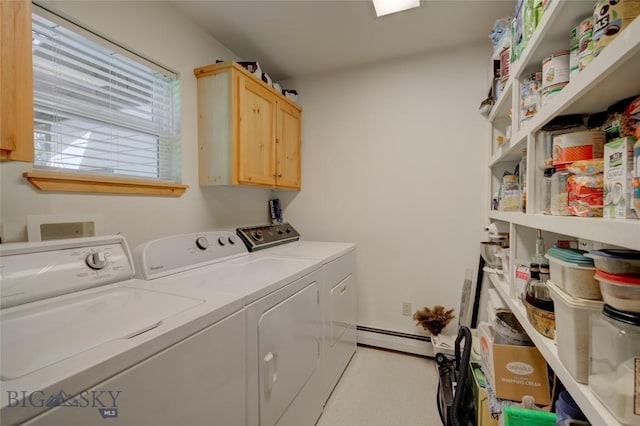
(214, 334)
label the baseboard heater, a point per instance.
(395, 340)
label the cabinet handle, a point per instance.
(280, 175)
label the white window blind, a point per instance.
(99, 108)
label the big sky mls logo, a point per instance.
(105, 401)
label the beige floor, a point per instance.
(384, 388)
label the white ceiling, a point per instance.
(294, 38)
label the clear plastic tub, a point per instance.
(616, 261)
(577, 280)
(572, 332)
(614, 354)
(620, 291)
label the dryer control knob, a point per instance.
(233, 240)
(222, 241)
(257, 235)
(202, 243)
(96, 260)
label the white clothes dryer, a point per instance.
(337, 289)
(281, 298)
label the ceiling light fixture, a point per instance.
(386, 7)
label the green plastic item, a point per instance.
(517, 416)
(570, 255)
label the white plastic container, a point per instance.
(577, 280)
(573, 331)
(620, 291)
(614, 357)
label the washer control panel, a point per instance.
(39, 270)
(259, 237)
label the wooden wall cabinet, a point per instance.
(248, 134)
(16, 81)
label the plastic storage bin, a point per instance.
(567, 409)
(577, 280)
(572, 330)
(614, 362)
(516, 416)
(616, 261)
(620, 291)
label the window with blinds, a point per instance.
(100, 108)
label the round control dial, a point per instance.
(233, 239)
(257, 235)
(222, 241)
(96, 260)
(202, 243)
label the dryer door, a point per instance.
(289, 350)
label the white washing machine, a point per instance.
(83, 342)
(281, 296)
(337, 289)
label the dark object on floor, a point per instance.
(455, 401)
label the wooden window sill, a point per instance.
(71, 182)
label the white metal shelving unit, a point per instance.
(610, 77)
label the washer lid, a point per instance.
(43, 333)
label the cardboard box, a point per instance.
(513, 371)
(477, 381)
(618, 174)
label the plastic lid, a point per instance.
(559, 295)
(617, 253)
(617, 279)
(631, 318)
(569, 255)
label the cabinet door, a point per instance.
(16, 81)
(288, 147)
(256, 143)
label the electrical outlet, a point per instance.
(406, 309)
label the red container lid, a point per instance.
(618, 279)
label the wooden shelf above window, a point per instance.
(71, 182)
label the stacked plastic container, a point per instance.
(614, 364)
(576, 298)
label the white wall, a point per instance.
(159, 32)
(394, 160)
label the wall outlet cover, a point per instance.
(60, 226)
